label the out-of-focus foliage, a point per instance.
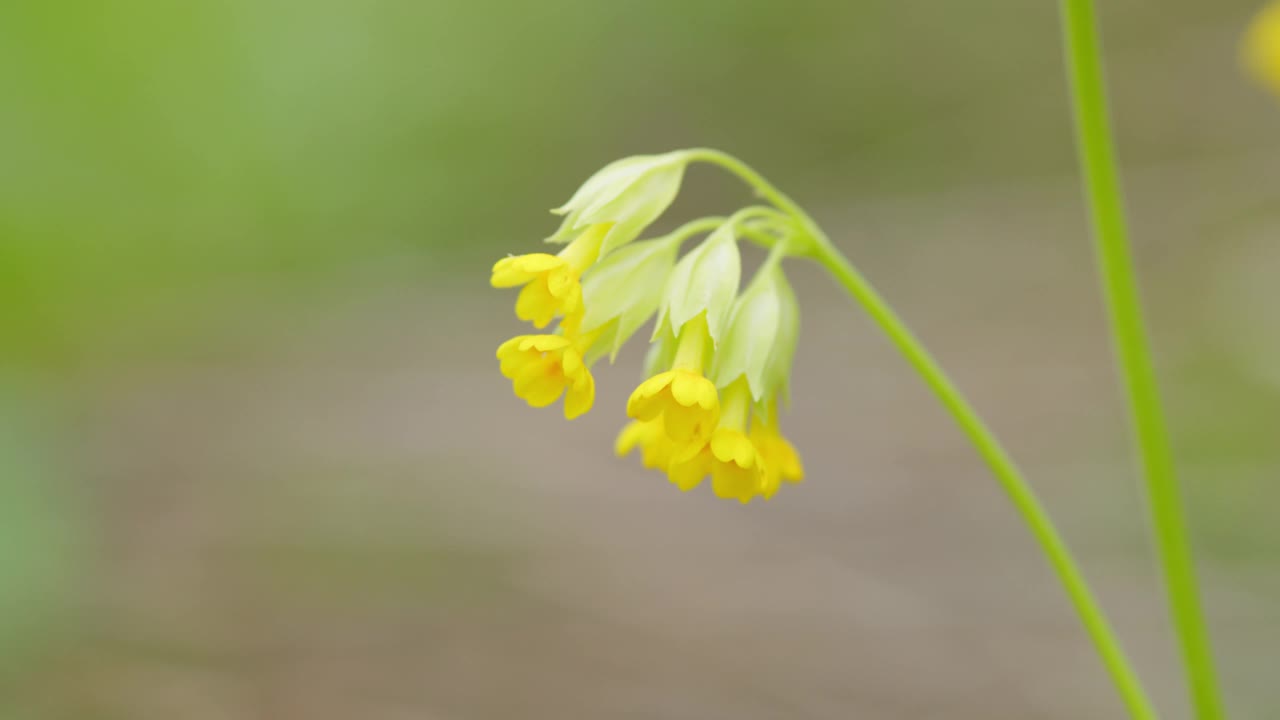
(153, 149)
(40, 555)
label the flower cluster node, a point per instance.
(720, 356)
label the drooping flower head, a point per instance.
(718, 361)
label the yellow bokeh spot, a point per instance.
(1262, 46)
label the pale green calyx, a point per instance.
(705, 280)
(624, 290)
(760, 338)
(661, 353)
(629, 193)
(778, 368)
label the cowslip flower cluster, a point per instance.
(1262, 47)
(720, 354)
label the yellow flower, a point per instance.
(1261, 50)
(543, 367)
(552, 283)
(733, 461)
(741, 465)
(685, 400)
(781, 461)
(656, 449)
(717, 355)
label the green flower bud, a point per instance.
(761, 335)
(625, 289)
(705, 280)
(778, 372)
(628, 194)
(661, 353)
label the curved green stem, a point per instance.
(757, 212)
(1102, 186)
(996, 457)
(693, 227)
(762, 237)
(764, 189)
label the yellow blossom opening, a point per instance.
(685, 400)
(552, 283)
(1261, 52)
(736, 467)
(543, 367)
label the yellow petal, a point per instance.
(789, 466)
(536, 305)
(731, 446)
(689, 474)
(520, 269)
(510, 347)
(573, 365)
(631, 435)
(688, 389)
(539, 382)
(678, 452)
(544, 343)
(682, 424)
(560, 282)
(578, 400)
(644, 403)
(730, 481)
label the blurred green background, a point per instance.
(257, 460)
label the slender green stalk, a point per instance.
(1128, 331)
(1001, 464)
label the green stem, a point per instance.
(764, 189)
(1002, 466)
(1010, 478)
(693, 227)
(1128, 331)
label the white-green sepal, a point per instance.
(626, 287)
(662, 351)
(705, 280)
(756, 327)
(778, 374)
(630, 193)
